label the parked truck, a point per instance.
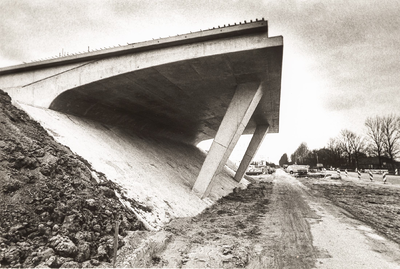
(298, 170)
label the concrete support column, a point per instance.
(252, 149)
(240, 110)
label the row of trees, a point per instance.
(381, 140)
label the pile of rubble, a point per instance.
(56, 211)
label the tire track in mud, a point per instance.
(263, 226)
(276, 222)
(345, 240)
(287, 238)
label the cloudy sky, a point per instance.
(341, 58)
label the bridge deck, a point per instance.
(179, 87)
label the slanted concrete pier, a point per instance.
(240, 110)
(252, 149)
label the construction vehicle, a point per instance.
(297, 170)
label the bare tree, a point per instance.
(376, 137)
(352, 145)
(336, 151)
(345, 143)
(357, 143)
(391, 136)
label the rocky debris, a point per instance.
(63, 246)
(56, 211)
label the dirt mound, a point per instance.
(56, 211)
(223, 235)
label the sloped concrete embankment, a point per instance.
(158, 173)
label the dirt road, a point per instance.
(277, 222)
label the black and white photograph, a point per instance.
(200, 134)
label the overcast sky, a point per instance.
(340, 64)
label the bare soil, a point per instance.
(278, 222)
(55, 210)
(263, 226)
(376, 204)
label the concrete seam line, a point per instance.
(40, 80)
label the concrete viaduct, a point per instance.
(219, 83)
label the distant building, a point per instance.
(373, 163)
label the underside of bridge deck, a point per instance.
(183, 100)
(219, 83)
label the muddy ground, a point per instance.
(270, 225)
(376, 204)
